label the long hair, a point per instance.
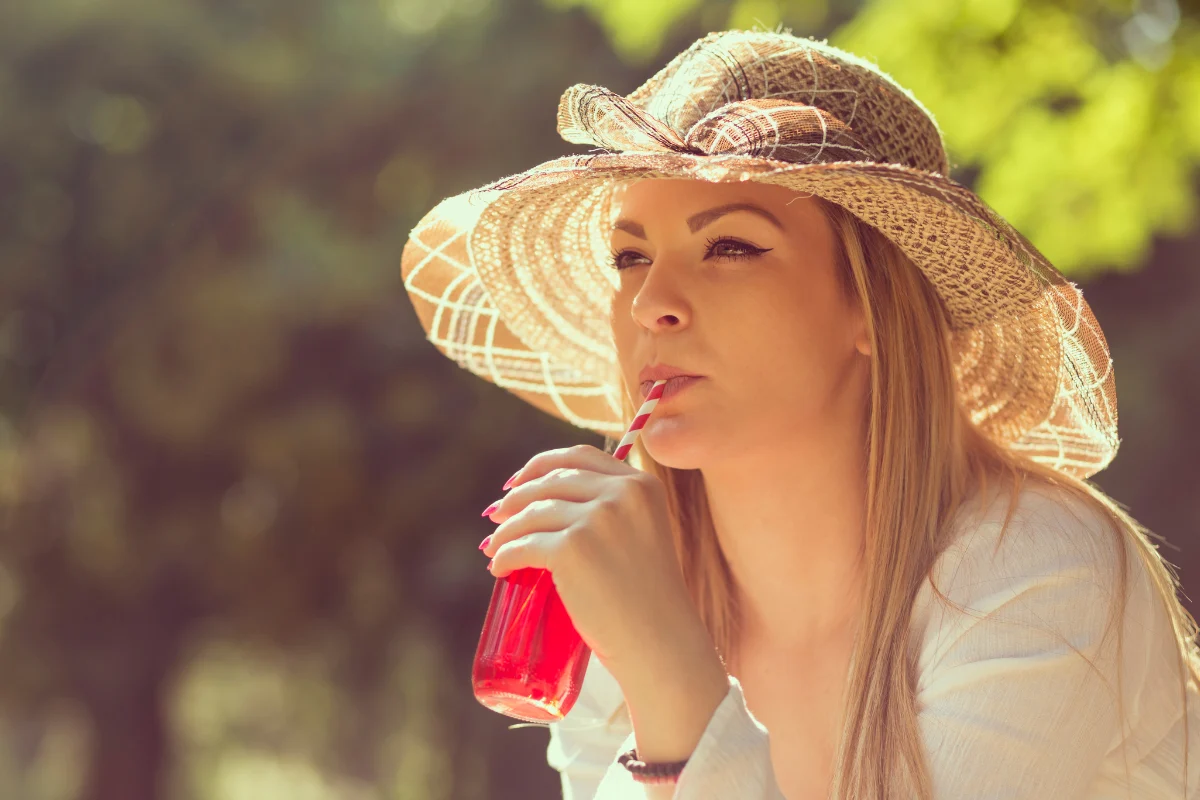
(916, 426)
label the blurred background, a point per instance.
(241, 491)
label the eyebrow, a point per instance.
(702, 218)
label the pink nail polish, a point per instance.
(510, 480)
(483, 545)
(489, 566)
(490, 509)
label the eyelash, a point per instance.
(615, 255)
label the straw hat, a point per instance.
(510, 280)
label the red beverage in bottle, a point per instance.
(530, 661)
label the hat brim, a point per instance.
(510, 280)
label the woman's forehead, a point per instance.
(663, 193)
(672, 198)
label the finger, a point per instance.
(566, 483)
(531, 551)
(580, 456)
(545, 515)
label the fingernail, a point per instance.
(490, 509)
(490, 564)
(483, 545)
(510, 480)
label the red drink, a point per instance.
(530, 661)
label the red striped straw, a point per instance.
(639, 421)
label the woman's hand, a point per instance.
(601, 528)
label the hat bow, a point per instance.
(780, 130)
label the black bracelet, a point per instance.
(647, 772)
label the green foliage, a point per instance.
(1078, 123)
(1084, 140)
(637, 28)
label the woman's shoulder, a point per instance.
(1043, 528)
(1030, 598)
(1046, 557)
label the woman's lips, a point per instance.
(674, 386)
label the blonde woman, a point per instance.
(854, 552)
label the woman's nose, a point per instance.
(661, 301)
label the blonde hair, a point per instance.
(916, 426)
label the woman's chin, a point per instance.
(673, 442)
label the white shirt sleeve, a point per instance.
(583, 744)
(732, 759)
(1007, 706)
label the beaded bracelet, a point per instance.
(649, 772)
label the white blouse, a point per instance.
(1006, 707)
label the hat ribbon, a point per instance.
(769, 128)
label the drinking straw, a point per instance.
(639, 421)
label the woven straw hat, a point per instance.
(510, 280)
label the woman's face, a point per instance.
(746, 298)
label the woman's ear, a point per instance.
(862, 342)
(862, 345)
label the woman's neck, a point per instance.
(794, 539)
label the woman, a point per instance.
(854, 555)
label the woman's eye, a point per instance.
(724, 247)
(719, 247)
(617, 259)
